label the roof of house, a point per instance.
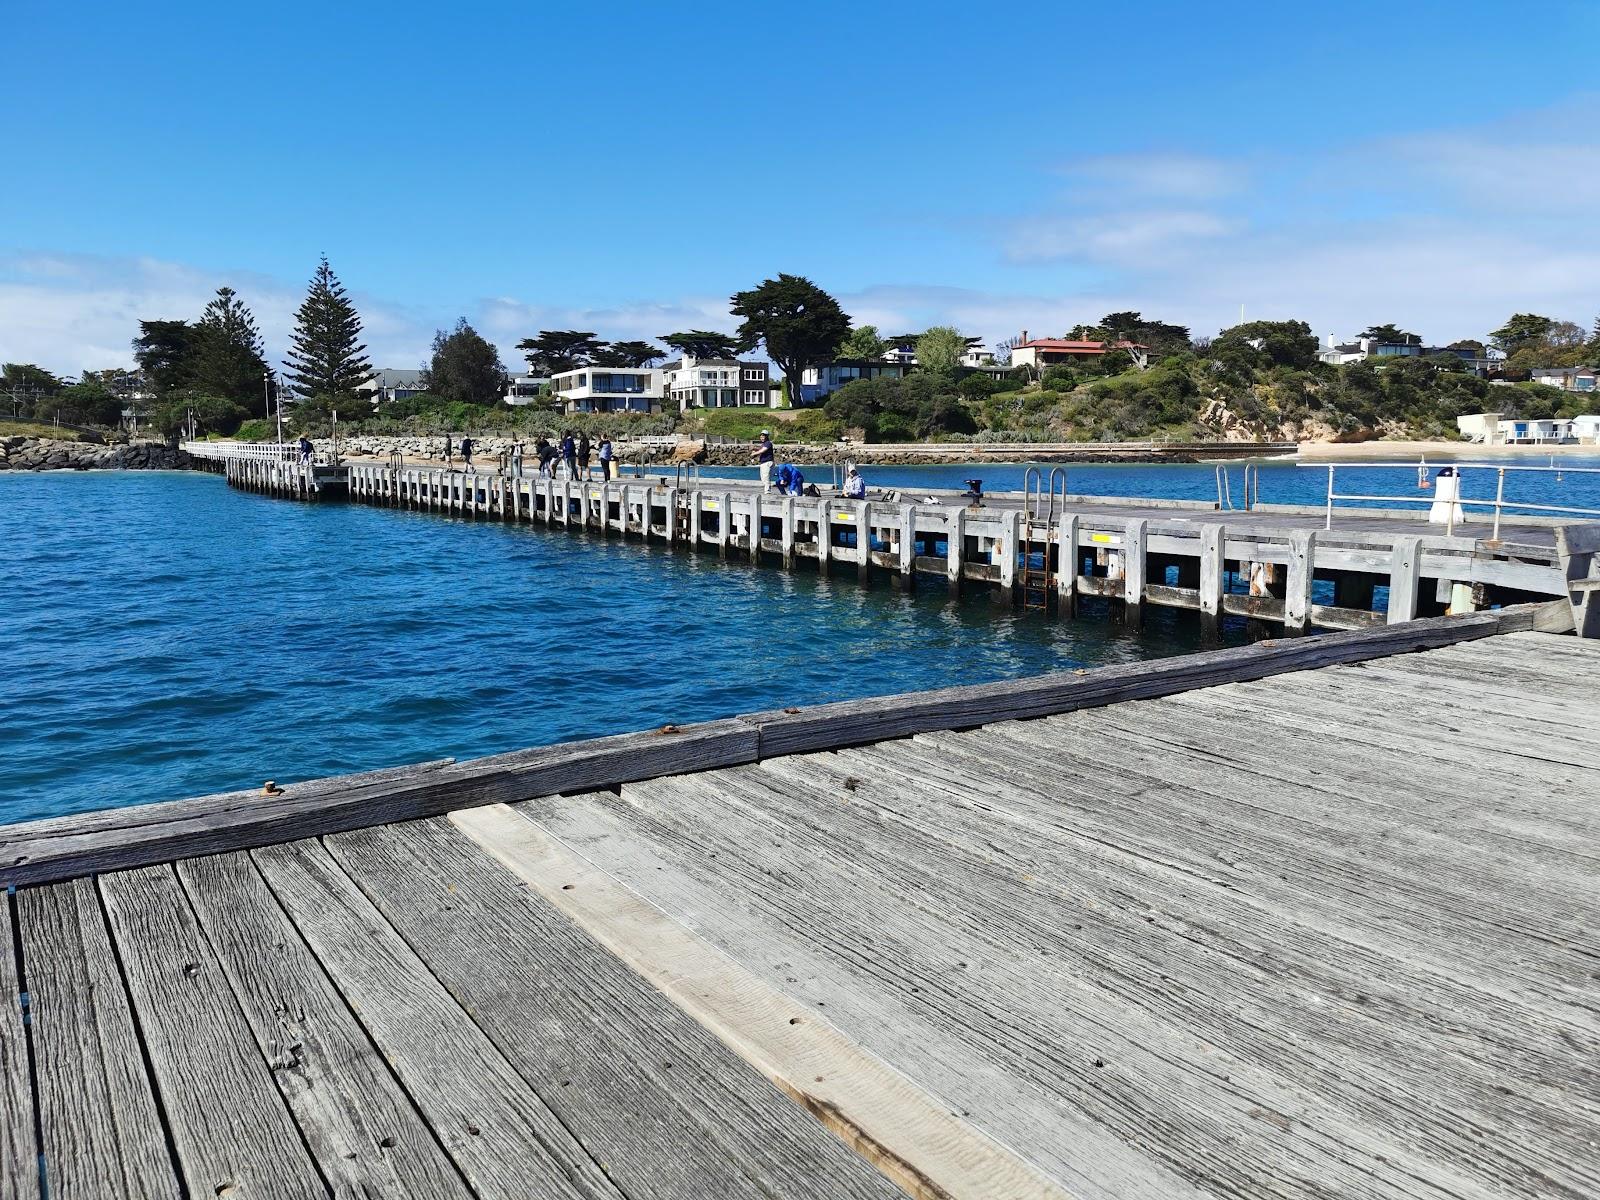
(1071, 346)
(391, 377)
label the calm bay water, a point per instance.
(167, 636)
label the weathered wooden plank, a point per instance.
(230, 1131)
(491, 1120)
(102, 1134)
(358, 1123)
(54, 849)
(854, 722)
(1067, 565)
(907, 1133)
(19, 1150)
(651, 1093)
(962, 850)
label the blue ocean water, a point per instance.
(166, 636)
(1574, 483)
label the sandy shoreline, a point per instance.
(1433, 451)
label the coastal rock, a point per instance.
(49, 454)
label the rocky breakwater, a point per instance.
(49, 454)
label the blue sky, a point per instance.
(625, 167)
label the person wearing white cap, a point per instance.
(763, 456)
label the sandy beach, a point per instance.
(1433, 451)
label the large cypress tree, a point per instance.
(327, 358)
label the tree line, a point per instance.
(212, 370)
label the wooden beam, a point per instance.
(1213, 537)
(955, 547)
(855, 722)
(1578, 551)
(908, 1134)
(19, 1151)
(65, 847)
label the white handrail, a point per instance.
(1498, 504)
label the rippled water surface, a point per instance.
(166, 636)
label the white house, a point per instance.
(523, 388)
(717, 383)
(1568, 379)
(610, 389)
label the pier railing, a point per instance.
(1453, 499)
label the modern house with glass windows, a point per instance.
(609, 389)
(717, 383)
(819, 382)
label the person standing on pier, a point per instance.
(763, 456)
(516, 459)
(305, 448)
(466, 453)
(447, 458)
(543, 452)
(583, 455)
(607, 455)
(569, 454)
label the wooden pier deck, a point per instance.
(1311, 918)
(1275, 564)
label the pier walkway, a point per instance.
(1278, 564)
(1307, 918)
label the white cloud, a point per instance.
(1156, 176)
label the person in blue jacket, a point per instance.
(789, 480)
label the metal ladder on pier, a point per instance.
(1044, 500)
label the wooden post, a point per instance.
(754, 528)
(1302, 570)
(1405, 574)
(1578, 554)
(694, 520)
(787, 536)
(864, 540)
(1133, 569)
(824, 537)
(907, 578)
(1213, 543)
(955, 545)
(724, 522)
(1005, 548)
(1067, 565)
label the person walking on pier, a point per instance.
(583, 455)
(543, 452)
(569, 454)
(607, 457)
(763, 455)
(466, 453)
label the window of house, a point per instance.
(752, 372)
(755, 397)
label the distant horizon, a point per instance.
(1431, 167)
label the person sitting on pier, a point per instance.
(789, 480)
(855, 487)
(763, 456)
